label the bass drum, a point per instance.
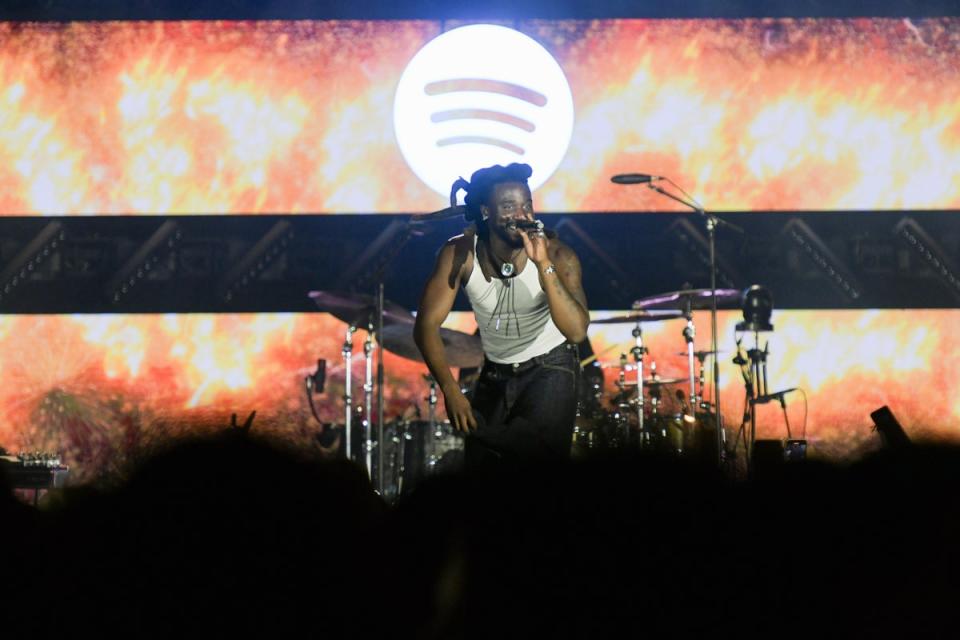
(702, 437)
(680, 434)
(415, 450)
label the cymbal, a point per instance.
(656, 382)
(641, 315)
(443, 214)
(630, 366)
(359, 308)
(695, 298)
(463, 350)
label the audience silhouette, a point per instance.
(231, 534)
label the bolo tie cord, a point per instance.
(506, 303)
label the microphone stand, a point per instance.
(711, 223)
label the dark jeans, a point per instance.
(525, 411)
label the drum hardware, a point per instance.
(370, 312)
(638, 351)
(655, 381)
(34, 471)
(434, 426)
(359, 309)
(701, 357)
(683, 303)
(689, 334)
(655, 395)
(622, 430)
(416, 449)
(711, 222)
(367, 423)
(695, 299)
(641, 315)
(347, 353)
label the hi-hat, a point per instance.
(641, 315)
(463, 350)
(359, 309)
(690, 298)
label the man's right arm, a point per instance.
(435, 305)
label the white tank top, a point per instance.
(512, 314)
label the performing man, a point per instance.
(526, 293)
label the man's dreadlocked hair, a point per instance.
(481, 186)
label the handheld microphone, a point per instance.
(526, 225)
(634, 178)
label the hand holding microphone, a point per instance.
(525, 225)
(534, 239)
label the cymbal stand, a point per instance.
(701, 385)
(689, 334)
(622, 430)
(380, 402)
(655, 395)
(368, 349)
(435, 432)
(712, 222)
(638, 352)
(347, 353)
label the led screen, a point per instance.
(103, 390)
(306, 116)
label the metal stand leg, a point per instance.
(689, 334)
(711, 224)
(435, 432)
(638, 352)
(347, 353)
(368, 403)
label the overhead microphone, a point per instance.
(634, 178)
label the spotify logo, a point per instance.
(482, 95)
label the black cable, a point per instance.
(308, 383)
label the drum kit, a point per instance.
(411, 449)
(640, 413)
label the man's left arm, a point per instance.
(560, 277)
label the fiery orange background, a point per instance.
(103, 389)
(254, 117)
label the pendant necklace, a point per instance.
(506, 266)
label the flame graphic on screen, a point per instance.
(257, 117)
(100, 388)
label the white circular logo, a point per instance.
(481, 95)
